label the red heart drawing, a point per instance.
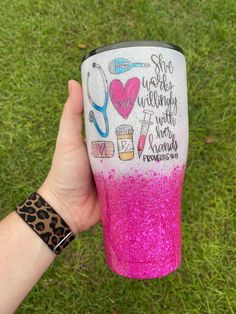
(101, 148)
(124, 98)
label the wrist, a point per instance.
(41, 217)
(56, 202)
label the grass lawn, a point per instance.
(39, 52)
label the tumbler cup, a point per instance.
(136, 122)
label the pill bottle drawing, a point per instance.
(125, 144)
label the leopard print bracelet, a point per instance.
(46, 222)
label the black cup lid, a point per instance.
(126, 44)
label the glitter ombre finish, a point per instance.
(142, 222)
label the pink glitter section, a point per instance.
(142, 222)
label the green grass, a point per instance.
(39, 52)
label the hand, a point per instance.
(69, 187)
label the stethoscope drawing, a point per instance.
(102, 109)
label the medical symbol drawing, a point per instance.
(122, 65)
(102, 149)
(145, 124)
(101, 109)
(124, 97)
(125, 145)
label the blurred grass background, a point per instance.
(39, 52)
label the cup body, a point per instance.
(136, 123)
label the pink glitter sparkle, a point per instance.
(142, 222)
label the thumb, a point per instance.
(75, 100)
(70, 130)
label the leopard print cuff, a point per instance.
(46, 222)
